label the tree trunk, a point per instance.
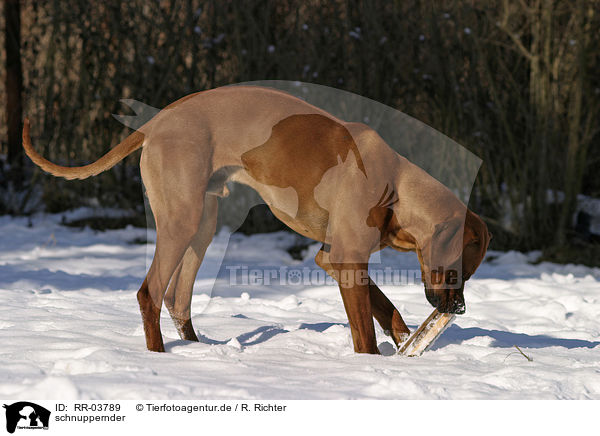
(577, 144)
(14, 88)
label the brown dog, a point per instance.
(335, 182)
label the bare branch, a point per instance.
(503, 25)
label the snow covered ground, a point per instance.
(70, 327)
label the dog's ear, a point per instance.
(477, 240)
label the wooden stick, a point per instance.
(427, 333)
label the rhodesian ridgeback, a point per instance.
(335, 182)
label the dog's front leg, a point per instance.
(387, 315)
(353, 280)
(357, 302)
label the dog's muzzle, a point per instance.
(446, 300)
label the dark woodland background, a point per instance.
(517, 82)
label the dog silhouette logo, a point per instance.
(26, 415)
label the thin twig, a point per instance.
(524, 355)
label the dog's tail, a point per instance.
(110, 159)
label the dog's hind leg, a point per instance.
(175, 181)
(179, 294)
(170, 248)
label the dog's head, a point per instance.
(450, 257)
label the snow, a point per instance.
(70, 327)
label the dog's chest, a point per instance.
(299, 212)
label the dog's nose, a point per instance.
(446, 301)
(456, 306)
